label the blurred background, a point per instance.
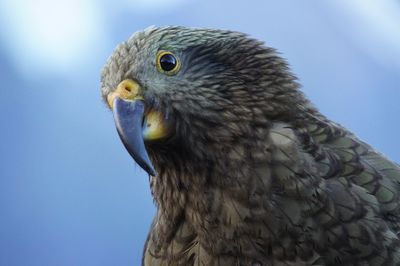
(69, 192)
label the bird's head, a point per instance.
(195, 95)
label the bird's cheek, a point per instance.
(156, 126)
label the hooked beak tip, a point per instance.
(128, 116)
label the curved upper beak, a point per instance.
(128, 116)
(134, 125)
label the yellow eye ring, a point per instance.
(167, 63)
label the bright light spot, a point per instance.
(375, 26)
(46, 35)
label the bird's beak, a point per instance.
(134, 125)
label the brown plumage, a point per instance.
(252, 173)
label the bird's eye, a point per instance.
(167, 63)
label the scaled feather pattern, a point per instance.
(253, 173)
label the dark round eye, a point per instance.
(167, 62)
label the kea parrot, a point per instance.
(244, 170)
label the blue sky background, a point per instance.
(69, 192)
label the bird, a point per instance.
(243, 168)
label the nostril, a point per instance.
(127, 89)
